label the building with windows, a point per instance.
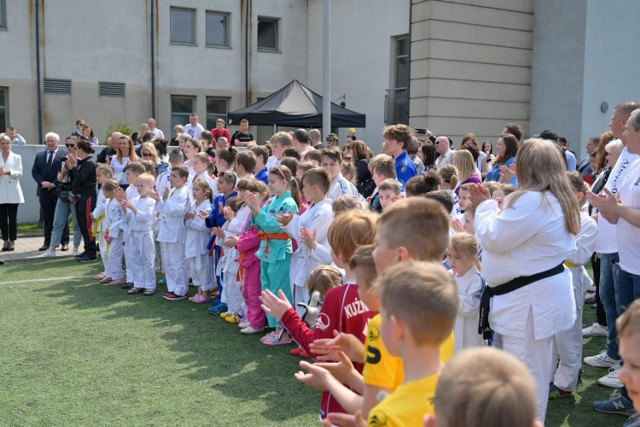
(454, 66)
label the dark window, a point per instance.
(268, 34)
(217, 29)
(181, 108)
(4, 108)
(183, 26)
(217, 108)
(3, 14)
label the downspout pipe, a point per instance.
(38, 72)
(153, 56)
(247, 16)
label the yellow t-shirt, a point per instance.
(407, 405)
(384, 370)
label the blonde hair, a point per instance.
(145, 178)
(152, 149)
(492, 186)
(484, 386)
(347, 232)
(203, 157)
(322, 278)
(629, 322)
(449, 174)
(419, 224)
(363, 258)
(467, 244)
(541, 168)
(343, 204)
(383, 165)
(282, 138)
(463, 161)
(204, 186)
(105, 170)
(424, 296)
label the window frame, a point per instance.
(5, 107)
(276, 21)
(213, 116)
(194, 100)
(227, 16)
(194, 32)
(3, 15)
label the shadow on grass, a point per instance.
(208, 348)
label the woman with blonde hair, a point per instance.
(467, 170)
(125, 153)
(530, 297)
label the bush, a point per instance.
(123, 128)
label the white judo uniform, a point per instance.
(342, 187)
(100, 227)
(171, 236)
(140, 242)
(229, 264)
(470, 286)
(115, 228)
(129, 259)
(528, 238)
(195, 247)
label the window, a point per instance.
(181, 108)
(217, 108)
(397, 99)
(57, 86)
(268, 34)
(4, 105)
(217, 29)
(3, 16)
(111, 89)
(183, 26)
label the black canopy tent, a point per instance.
(295, 105)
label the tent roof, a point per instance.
(296, 105)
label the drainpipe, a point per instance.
(38, 73)
(326, 69)
(153, 56)
(247, 21)
(409, 85)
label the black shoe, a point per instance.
(43, 248)
(81, 254)
(65, 247)
(127, 285)
(86, 258)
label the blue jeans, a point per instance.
(627, 289)
(608, 272)
(60, 219)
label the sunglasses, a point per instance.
(70, 145)
(147, 155)
(277, 171)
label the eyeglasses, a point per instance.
(277, 171)
(147, 155)
(70, 145)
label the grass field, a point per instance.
(78, 353)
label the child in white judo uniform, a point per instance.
(196, 240)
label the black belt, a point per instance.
(519, 282)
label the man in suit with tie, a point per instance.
(46, 166)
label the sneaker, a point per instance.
(250, 330)
(224, 315)
(75, 251)
(47, 254)
(218, 308)
(591, 300)
(557, 393)
(618, 404)
(86, 258)
(595, 330)
(175, 297)
(275, 340)
(633, 421)
(232, 318)
(601, 360)
(243, 325)
(270, 335)
(611, 379)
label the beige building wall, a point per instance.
(471, 64)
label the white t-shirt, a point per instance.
(158, 133)
(607, 241)
(193, 131)
(628, 234)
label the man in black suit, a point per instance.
(46, 166)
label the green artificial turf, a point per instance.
(76, 353)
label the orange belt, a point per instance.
(240, 273)
(272, 236)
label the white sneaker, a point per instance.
(249, 330)
(75, 251)
(601, 360)
(47, 254)
(611, 379)
(595, 330)
(243, 325)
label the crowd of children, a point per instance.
(381, 292)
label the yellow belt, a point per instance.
(571, 265)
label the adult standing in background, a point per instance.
(15, 137)
(443, 148)
(194, 128)
(87, 133)
(44, 171)
(151, 122)
(506, 149)
(125, 153)
(242, 137)
(109, 151)
(10, 193)
(316, 139)
(219, 131)
(82, 171)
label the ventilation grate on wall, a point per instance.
(110, 89)
(57, 86)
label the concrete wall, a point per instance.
(470, 65)
(29, 212)
(361, 32)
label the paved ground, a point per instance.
(27, 247)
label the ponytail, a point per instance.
(295, 190)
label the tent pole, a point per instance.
(326, 70)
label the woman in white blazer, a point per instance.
(525, 243)
(10, 193)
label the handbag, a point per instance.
(63, 190)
